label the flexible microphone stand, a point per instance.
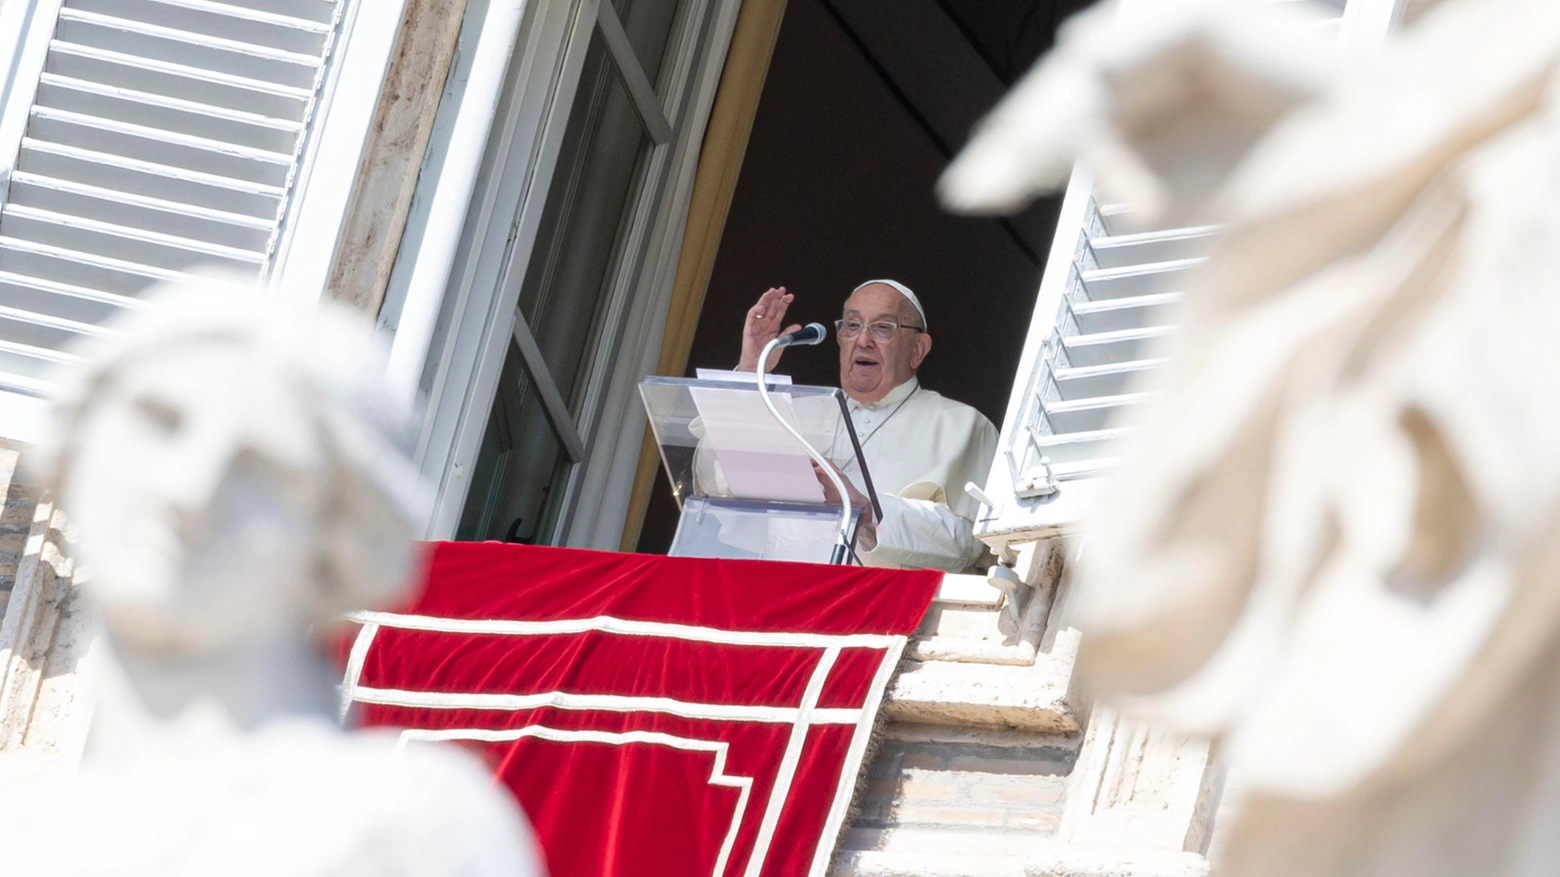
(814, 333)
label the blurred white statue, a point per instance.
(1160, 104)
(236, 470)
(1335, 545)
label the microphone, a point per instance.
(812, 333)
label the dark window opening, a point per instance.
(864, 105)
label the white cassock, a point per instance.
(921, 449)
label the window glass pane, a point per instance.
(522, 468)
(568, 280)
(648, 24)
(512, 481)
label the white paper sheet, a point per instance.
(757, 457)
(716, 374)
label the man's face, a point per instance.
(870, 368)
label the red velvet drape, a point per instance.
(653, 715)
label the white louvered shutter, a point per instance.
(1115, 294)
(159, 135)
(1121, 294)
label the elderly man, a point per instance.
(921, 447)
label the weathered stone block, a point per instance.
(925, 814)
(1033, 820)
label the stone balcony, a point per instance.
(986, 761)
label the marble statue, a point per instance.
(1334, 545)
(235, 469)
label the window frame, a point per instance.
(478, 303)
(333, 143)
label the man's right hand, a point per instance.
(763, 326)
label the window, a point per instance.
(566, 258)
(535, 435)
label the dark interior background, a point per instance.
(865, 104)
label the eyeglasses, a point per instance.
(881, 330)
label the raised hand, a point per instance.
(764, 322)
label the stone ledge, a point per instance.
(912, 732)
(969, 590)
(969, 624)
(1035, 698)
(860, 863)
(1086, 862)
(934, 852)
(964, 652)
(1008, 781)
(1055, 861)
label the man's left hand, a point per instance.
(866, 531)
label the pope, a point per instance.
(920, 446)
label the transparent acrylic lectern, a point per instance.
(746, 487)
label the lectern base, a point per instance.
(740, 528)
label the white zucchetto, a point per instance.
(902, 290)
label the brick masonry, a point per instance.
(950, 778)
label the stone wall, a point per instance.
(935, 776)
(44, 634)
(16, 515)
(988, 762)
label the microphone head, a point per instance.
(812, 333)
